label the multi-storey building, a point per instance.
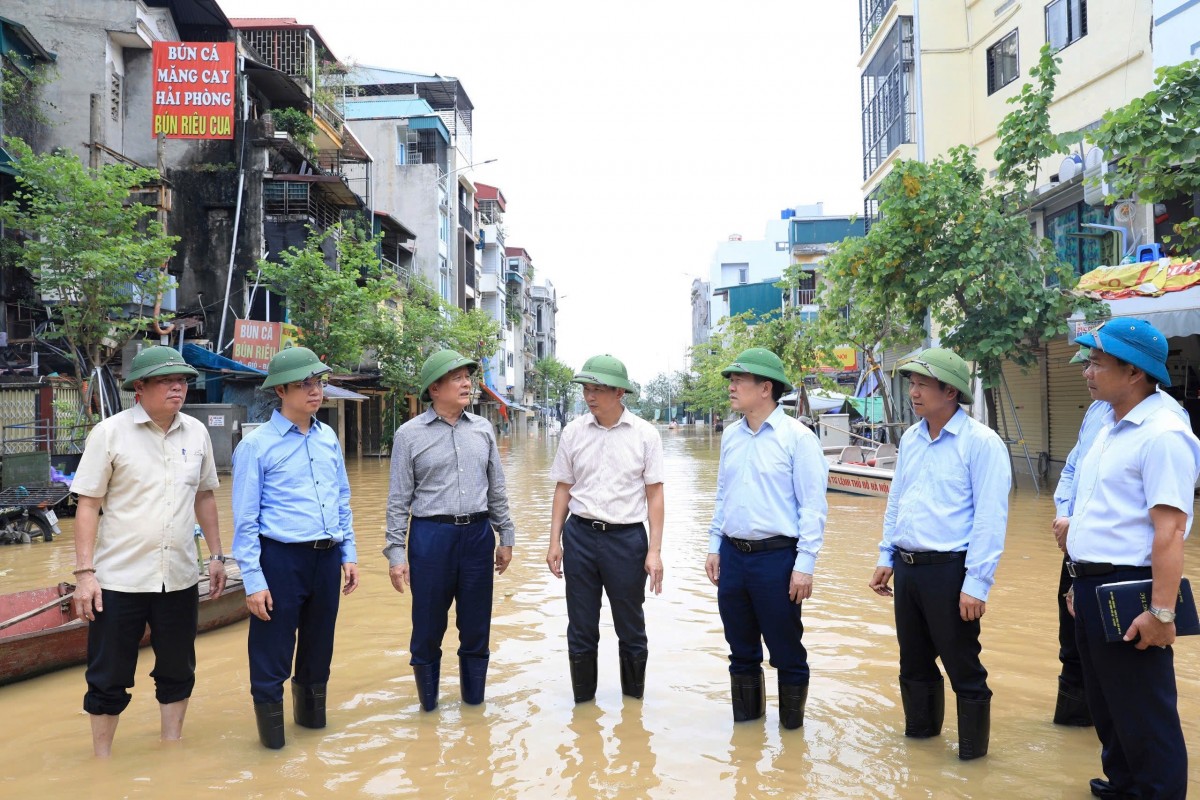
(543, 316)
(940, 73)
(519, 338)
(421, 125)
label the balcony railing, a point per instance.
(294, 198)
(888, 115)
(870, 17)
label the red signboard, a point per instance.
(255, 341)
(194, 90)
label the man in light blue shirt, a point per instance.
(766, 533)
(293, 538)
(1071, 706)
(943, 533)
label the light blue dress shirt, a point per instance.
(772, 482)
(290, 487)
(950, 494)
(1093, 421)
(1148, 458)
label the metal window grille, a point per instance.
(870, 17)
(888, 116)
(289, 51)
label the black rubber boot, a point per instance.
(270, 724)
(308, 705)
(472, 676)
(583, 677)
(749, 700)
(427, 676)
(633, 676)
(792, 698)
(924, 707)
(974, 728)
(1071, 708)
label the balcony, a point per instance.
(870, 17)
(888, 114)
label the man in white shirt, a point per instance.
(609, 476)
(136, 564)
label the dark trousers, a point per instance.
(1068, 650)
(1132, 696)
(752, 597)
(116, 632)
(609, 562)
(305, 586)
(451, 563)
(929, 626)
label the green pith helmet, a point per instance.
(761, 362)
(1081, 357)
(157, 360)
(293, 365)
(945, 366)
(441, 363)
(605, 370)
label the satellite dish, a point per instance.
(1069, 168)
(1095, 168)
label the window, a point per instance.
(444, 227)
(444, 278)
(1066, 22)
(1003, 66)
(743, 274)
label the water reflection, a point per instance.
(530, 741)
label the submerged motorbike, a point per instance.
(22, 524)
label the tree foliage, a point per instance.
(1157, 150)
(555, 381)
(333, 285)
(90, 248)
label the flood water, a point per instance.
(530, 741)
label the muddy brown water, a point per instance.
(530, 741)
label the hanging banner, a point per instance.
(194, 88)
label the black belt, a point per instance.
(456, 519)
(600, 525)
(755, 545)
(1086, 569)
(315, 544)
(928, 557)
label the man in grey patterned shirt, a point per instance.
(447, 495)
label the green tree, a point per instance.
(95, 254)
(1158, 152)
(708, 390)
(473, 333)
(405, 339)
(555, 380)
(329, 302)
(660, 394)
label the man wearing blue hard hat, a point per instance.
(1132, 511)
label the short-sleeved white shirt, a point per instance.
(609, 468)
(1149, 458)
(147, 481)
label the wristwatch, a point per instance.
(1162, 615)
(216, 558)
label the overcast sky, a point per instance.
(631, 136)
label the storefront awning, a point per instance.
(338, 393)
(1174, 313)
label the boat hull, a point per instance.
(56, 638)
(860, 480)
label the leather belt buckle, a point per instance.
(1071, 569)
(324, 544)
(462, 519)
(597, 525)
(743, 545)
(907, 558)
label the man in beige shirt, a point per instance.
(609, 476)
(151, 470)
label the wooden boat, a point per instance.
(855, 470)
(40, 633)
